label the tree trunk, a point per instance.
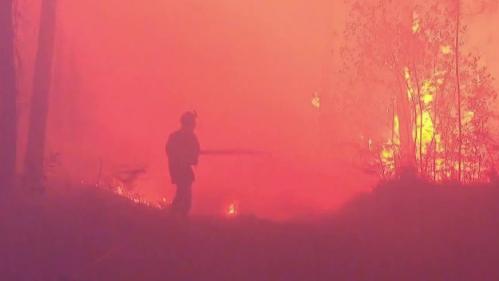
(8, 91)
(407, 159)
(41, 90)
(407, 145)
(458, 89)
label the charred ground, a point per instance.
(403, 230)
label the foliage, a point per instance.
(404, 53)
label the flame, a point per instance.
(232, 210)
(446, 49)
(387, 157)
(428, 140)
(424, 131)
(316, 101)
(428, 90)
(118, 188)
(396, 130)
(416, 23)
(468, 117)
(428, 128)
(389, 151)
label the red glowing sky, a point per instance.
(125, 71)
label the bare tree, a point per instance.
(40, 98)
(8, 93)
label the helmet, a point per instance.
(188, 119)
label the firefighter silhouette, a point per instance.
(183, 150)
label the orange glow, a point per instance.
(390, 150)
(446, 49)
(232, 210)
(316, 101)
(118, 188)
(274, 76)
(416, 23)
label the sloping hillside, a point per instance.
(400, 231)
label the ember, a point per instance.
(232, 210)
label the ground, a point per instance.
(404, 230)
